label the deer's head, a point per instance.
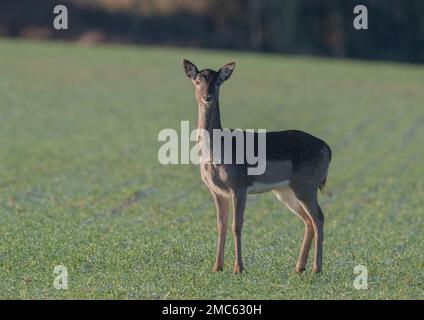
(207, 82)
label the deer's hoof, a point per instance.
(217, 268)
(299, 270)
(316, 269)
(238, 269)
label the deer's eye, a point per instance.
(197, 82)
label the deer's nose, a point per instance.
(208, 98)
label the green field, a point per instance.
(81, 185)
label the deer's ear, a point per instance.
(226, 71)
(190, 69)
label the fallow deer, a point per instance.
(296, 167)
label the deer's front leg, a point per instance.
(239, 202)
(221, 205)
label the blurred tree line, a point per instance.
(317, 27)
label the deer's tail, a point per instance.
(322, 183)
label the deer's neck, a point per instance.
(209, 118)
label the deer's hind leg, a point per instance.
(309, 203)
(287, 197)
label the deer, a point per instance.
(297, 166)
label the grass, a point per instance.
(81, 186)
